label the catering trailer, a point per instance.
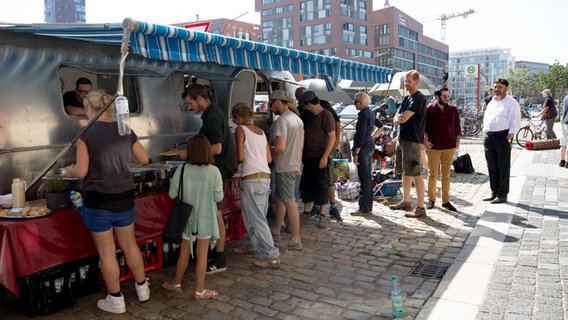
(150, 65)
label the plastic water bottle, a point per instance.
(396, 299)
(122, 115)
(77, 199)
(166, 254)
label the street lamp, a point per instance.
(228, 23)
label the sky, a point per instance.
(533, 30)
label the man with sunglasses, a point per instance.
(441, 139)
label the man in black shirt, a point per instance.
(73, 100)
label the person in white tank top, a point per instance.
(254, 154)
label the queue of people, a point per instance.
(297, 151)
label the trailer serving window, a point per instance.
(183, 79)
(104, 78)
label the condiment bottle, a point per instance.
(18, 193)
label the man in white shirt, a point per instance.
(502, 119)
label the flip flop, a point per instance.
(205, 294)
(172, 287)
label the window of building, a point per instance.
(404, 32)
(267, 2)
(382, 35)
(267, 12)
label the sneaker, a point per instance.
(215, 267)
(312, 213)
(143, 291)
(449, 206)
(401, 206)
(112, 304)
(244, 249)
(360, 213)
(419, 213)
(334, 214)
(562, 163)
(269, 263)
(430, 204)
(322, 222)
(295, 245)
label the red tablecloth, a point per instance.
(31, 245)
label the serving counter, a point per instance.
(31, 245)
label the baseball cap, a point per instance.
(307, 96)
(279, 95)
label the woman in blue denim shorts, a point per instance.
(103, 163)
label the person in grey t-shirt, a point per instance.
(287, 143)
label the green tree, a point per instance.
(521, 83)
(556, 79)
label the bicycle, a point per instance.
(530, 132)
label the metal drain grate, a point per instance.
(430, 269)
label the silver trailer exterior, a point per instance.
(37, 70)
(40, 63)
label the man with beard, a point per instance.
(412, 120)
(502, 119)
(441, 139)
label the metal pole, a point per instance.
(71, 143)
(228, 23)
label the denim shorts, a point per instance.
(101, 220)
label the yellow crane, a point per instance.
(445, 17)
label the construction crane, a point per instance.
(445, 17)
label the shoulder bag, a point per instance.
(178, 215)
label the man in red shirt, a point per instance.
(441, 139)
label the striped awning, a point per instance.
(171, 43)
(177, 44)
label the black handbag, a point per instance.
(178, 216)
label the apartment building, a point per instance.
(351, 29)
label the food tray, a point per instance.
(16, 213)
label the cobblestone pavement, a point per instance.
(344, 271)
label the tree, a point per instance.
(521, 83)
(556, 79)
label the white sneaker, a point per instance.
(142, 291)
(112, 304)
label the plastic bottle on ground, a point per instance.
(396, 299)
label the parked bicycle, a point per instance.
(531, 131)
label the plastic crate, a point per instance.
(390, 189)
(151, 255)
(85, 276)
(47, 291)
(234, 227)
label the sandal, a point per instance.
(172, 287)
(205, 294)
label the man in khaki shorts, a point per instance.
(412, 119)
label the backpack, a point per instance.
(463, 164)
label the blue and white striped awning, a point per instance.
(170, 43)
(177, 44)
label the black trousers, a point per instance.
(498, 157)
(315, 182)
